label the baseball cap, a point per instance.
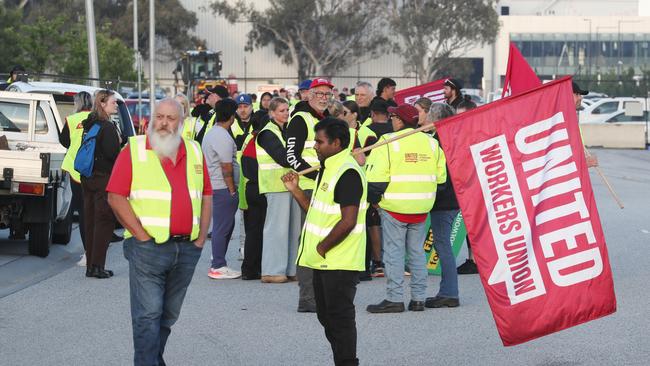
(454, 83)
(577, 90)
(305, 84)
(219, 90)
(319, 82)
(406, 113)
(379, 105)
(244, 99)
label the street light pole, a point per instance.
(152, 57)
(92, 43)
(589, 50)
(138, 65)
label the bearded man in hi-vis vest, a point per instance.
(160, 191)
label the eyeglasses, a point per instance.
(321, 95)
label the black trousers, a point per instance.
(334, 292)
(99, 221)
(77, 204)
(254, 227)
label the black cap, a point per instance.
(454, 84)
(379, 105)
(577, 90)
(224, 109)
(17, 68)
(219, 90)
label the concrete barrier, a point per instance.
(614, 135)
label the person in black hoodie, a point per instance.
(99, 220)
(443, 213)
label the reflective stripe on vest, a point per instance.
(210, 123)
(76, 135)
(269, 173)
(308, 152)
(324, 214)
(412, 182)
(151, 194)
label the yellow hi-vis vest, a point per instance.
(189, 128)
(76, 135)
(151, 194)
(269, 173)
(308, 152)
(236, 130)
(363, 134)
(211, 122)
(353, 139)
(367, 122)
(413, 167)
(241, 189)
(324, 214)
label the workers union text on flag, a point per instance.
(519, 172)
(433, 90)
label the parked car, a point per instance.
(132, 105)
(64, 93)
(35, 194)
(607, 107)
(620, 117)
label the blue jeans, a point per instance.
(400, 239)
(159, 275)
(441, 222)
(224, 208)
(281, 235)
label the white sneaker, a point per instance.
(82, 261)
(223, 273)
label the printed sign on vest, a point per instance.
(521, 179)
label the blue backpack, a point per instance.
(85, 159)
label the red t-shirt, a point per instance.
(181, 206)
(409, 218)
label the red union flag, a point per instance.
(433, 90)
(521, 179)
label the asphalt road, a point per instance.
(52, 315)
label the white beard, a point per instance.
(165, 146)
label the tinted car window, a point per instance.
(623, 118)
(14, 117)
(607, 107)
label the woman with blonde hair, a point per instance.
(189, 124)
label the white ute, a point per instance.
(35, 193)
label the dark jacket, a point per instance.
(445, 194)
(454, 103)
(107, 146)
(296, 135)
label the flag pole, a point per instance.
(606, 181)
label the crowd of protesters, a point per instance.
(353, 216)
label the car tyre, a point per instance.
(40, 237)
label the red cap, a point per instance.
(319, 82)
(406, 113)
